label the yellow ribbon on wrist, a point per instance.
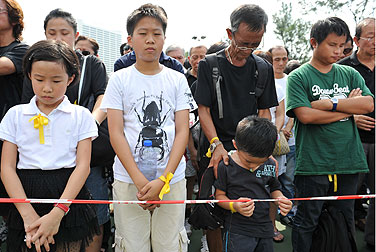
(166, 187)
(209, 153)
(39, 122)
(231, 204)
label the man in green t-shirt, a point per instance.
(323, 97)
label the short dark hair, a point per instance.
(277, 47)
(252, 15)
(146, 10)
(59, 13)
(216, 47)
(15, 16)
(360, 25)
(322, 28)
(256, 136)
(291, 65)
(53, 51)
(93, 42)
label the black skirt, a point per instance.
(80, 224)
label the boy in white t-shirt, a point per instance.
(147, 106)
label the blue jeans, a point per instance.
(287, 178)
(97, 186)
(307, 216)
(242, 243)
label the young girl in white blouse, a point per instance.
(53, 138)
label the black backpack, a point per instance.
(333, 234)
(261, 75)
(207, 216)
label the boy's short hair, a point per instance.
(256, 136)
(322, 28)
(146, 10)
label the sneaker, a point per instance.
(204, 244)
(188, 227)
(3, 231)
(195, 189)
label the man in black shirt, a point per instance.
(237, 67)
(11, 76)
(363, 60)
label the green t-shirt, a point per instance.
(333, 148)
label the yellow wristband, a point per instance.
(166, 187)
(209, 153)
(213, 139)
(231, 204)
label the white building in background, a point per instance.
(109, 43)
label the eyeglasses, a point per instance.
(347, 50)
(3, 10)
(243, 48)
(368, 39)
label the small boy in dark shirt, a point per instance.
(250, 174)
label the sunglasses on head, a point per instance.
(347, 50)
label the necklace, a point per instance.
(228, 56)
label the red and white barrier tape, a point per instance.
(78, 201)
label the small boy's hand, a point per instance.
(245, 208)
(284, 205)
(150, 192)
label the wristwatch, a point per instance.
(335, 103)
(214, 145)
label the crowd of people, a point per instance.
(162, 120)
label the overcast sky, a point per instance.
(185, 18)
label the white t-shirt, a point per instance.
(281, 95)
(282, 82)
(148, 103)
(67, 125)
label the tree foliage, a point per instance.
(293, 33)
(359, 9)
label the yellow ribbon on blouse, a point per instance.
(39, 122)
(166, 187)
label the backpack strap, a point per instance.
(216, 78)
(261, 75)
(81, 80)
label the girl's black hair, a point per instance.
(53, 51)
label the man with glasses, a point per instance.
(363, 60)
(237, 69)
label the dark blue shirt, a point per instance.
(130, 58)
